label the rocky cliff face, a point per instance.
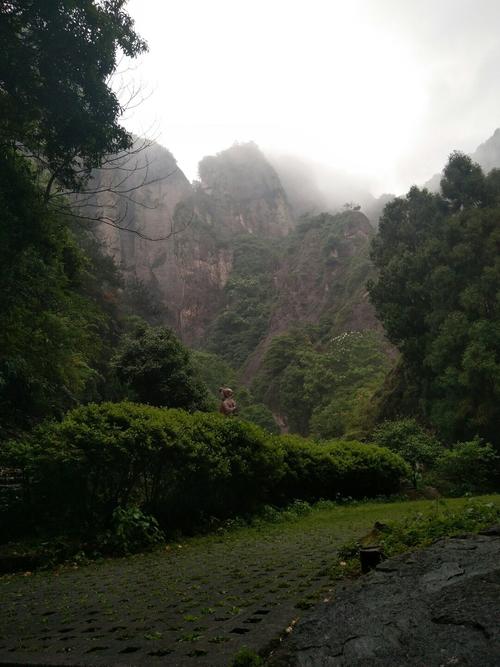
(322, 278)
(241, 192)
(174, 239)
(324, 273)
(488, 153)
(162, 245)
(179, 243)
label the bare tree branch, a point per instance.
(117, 225)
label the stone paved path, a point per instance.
(192, 604)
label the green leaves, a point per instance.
(51, 329)
(131, 531)
(104, 465)
(339, 468)
(322, 388)
(468, 467)
(437, 296)
(408, 439)
(249, 295)
(463, 183)
(154, 364)
(55, 98)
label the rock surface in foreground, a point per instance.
(438, 606)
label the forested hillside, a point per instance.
(225, 263)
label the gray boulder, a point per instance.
(436, 607)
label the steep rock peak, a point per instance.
(241, 191)
(488, 153)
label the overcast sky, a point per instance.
(383, 89)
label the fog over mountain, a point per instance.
(314, 187)
(383, 90)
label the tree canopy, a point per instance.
(322, 388)
(158, 369)
(437, 295)
(56, 103)
(52, 328)
(58, 119)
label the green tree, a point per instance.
(437, 296)
(56, 103)
(52, 328)
(463, 183)
(280, 383)
(58, 119)
(468, 467)
(404, 251)
(154, 364)
(345, 376)
(244, 320)
(322, 387)
(408, 439)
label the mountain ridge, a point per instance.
(320, 266)
(239, 195)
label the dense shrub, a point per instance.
(180, 468)
(131, 531)
(156, 368)
(408, 439)
(222, 467)
(341, 468)
(468, 467)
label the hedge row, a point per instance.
(181, 468)
(326, 470)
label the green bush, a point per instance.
(469, 467)
(222, 467)
(408, 439)
(341, 468)
(132, 531)
(180, 468)
(88, 472)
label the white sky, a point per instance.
(383, 89)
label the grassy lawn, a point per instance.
(197, 601)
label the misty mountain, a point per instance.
(232, 267)
(488, 153)
(313, 188)
(239, 191)
(173, 243)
